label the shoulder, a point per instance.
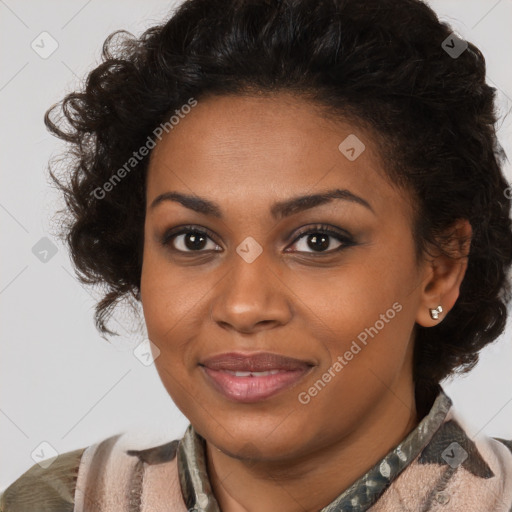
(54, 487)
(44, 487)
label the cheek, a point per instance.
(365, 314)
(166, 307)
(167, 295)
(352, 297)
(174, 308)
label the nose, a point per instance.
(252, 297)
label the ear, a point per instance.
(443, 273)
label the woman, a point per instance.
(307, 199)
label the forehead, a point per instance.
(257, 148)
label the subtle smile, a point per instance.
(251, 378)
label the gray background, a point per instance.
(60, 382)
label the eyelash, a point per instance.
(323, 229)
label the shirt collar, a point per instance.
(359, 497)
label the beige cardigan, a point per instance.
(437, 467)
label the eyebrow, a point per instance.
(278, 210)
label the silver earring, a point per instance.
(434, 313)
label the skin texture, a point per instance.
(246, 153)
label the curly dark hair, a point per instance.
(381, 64)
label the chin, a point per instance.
(253, 440)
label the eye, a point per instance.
(320, 240)
(189, 239)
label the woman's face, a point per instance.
(335, 309)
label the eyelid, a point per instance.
(324, 228)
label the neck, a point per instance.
(258, 485)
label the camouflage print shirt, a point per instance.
(437, 467)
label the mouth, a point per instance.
(253, 377)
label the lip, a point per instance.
(284, 373)
(256, 362)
